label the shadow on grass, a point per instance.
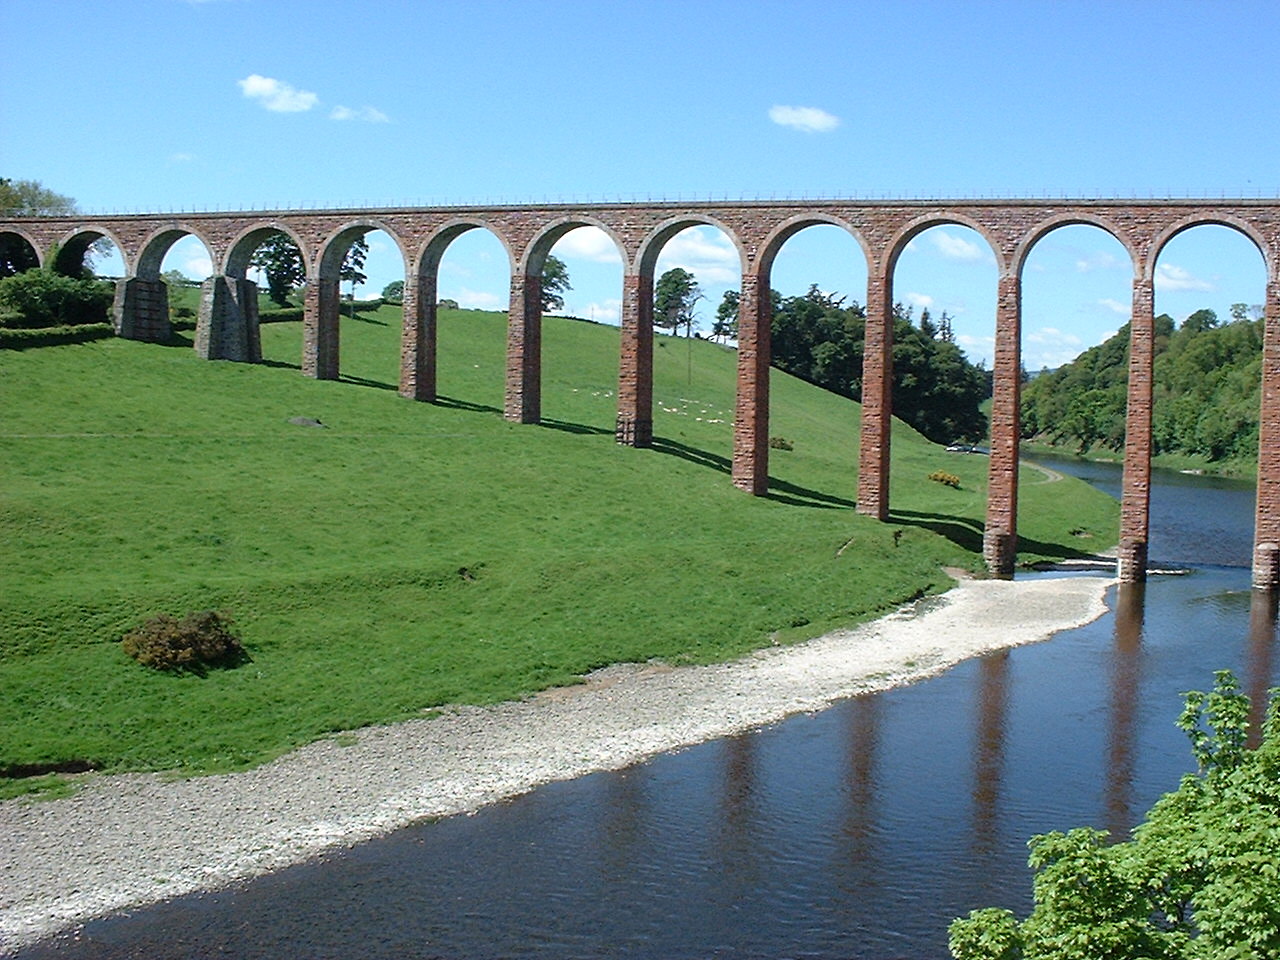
(966, 533)
(456, 404)
(579, 428)
(280, 364)
(366, 382)
(780, 491)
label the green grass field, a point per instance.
(409, 555)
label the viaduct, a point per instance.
(228, 323)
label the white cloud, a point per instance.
(1053, 337)
(706, 253)
(601, 311)
(1100, 260)
(1115, 306)
(1170, 277)
(805, 119)
(276, 95)
(479, 300)
(588, 243)
(197, 266)
(181, 157)
(977, 348)
(922, 300)
(367, 114)
(955, 248)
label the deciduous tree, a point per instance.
(555, 283)
(674, 298)
(1199, 880)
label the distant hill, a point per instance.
(1207, 392)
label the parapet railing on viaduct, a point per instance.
(228, 327)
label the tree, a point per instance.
(1199, 880)
(555, 282)
(394, 291)
(674, 299)
(353, 263)
(26, 198)
(281, 260)
(29, 198)
(726, 325)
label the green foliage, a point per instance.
(280, 315)
(24, 339)
(781, 443)
(46, 298)
(352, 269)
(1206, 394)
(555, 283)
(199, 640)
(393, 292)
(30, 198)
(726, 325)
(935, 388)
(447, 304)
(675, 296)
(281, 260)
(1199, 880)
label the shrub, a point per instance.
(194, 643)
(52, 336)
(45, 298)
(280, 315)
(781, 443)
(949, 479)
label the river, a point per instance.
(856, 832)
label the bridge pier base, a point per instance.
(635, 363)
(141, 310)
(228, 324)
(1000, 551)
(1131, 560)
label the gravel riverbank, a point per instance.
(136, 838)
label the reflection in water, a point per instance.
(993, 704)
(1126, 673)
(1259, 667)
(861, 817)
(739, 840)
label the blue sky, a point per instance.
(154, 105)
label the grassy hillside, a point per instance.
(409, 555)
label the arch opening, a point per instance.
(1210, 285)
(945, 284)
(17, 254)
(468, 271)
(818, 285)
(1077, 298)
(346, 306)
(581, 301)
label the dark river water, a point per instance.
(857, 832)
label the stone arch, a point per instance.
(784, 231)
(1045, 227)
(157, 245)
(942, 218)
(659, 236)
(1212, 219)
(18, 251)
(73, 246)
(236, 257)
(335, 246)
(535, 254)
(432, 251)
(142, 309)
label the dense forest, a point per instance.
(1206, 395)
(819, 338)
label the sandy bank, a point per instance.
(132, 839)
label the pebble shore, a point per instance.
(130, 839)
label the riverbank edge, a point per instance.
(132, 839)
